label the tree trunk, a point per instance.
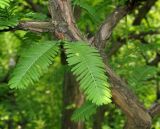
(99, 118)
(72, 98)
(134, 124)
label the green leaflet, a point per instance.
(89, 69)
(83, 113)
(8, 18)
(6, 23)
(33, 63)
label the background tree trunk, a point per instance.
(72, 98)
(99, 118)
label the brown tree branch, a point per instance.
(115, 47)
(143, 11)
(154, 110)
(110, 22)
(120, 41)
(37, 26)
(142, 34)
(62, 12)
(33, 26)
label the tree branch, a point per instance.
(120, 41)
(32, 26)
(61, 11)
(37, 26)
(143, 11)
(111, 21)
(115, 47)
(142, 34)
(154, 110)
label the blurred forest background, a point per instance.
(133, 52)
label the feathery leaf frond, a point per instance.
(8, 18)
(33, 63)
(89, 69)
(83, 113)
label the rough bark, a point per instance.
(72, 98)
(99, 118)
(110, 22)
(154, 110)
(34, 26)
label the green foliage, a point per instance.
(35, 15)
(8, 23)
(7, 18)
(10, 18)
(83, 113)
(89, 69)
(33, 63)
(87, 66)
(141, 74)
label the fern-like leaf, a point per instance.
(83, 113)
(89, 69)
(33, 63)
(7, 23)
(8, 18)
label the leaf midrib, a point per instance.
(27, 70)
